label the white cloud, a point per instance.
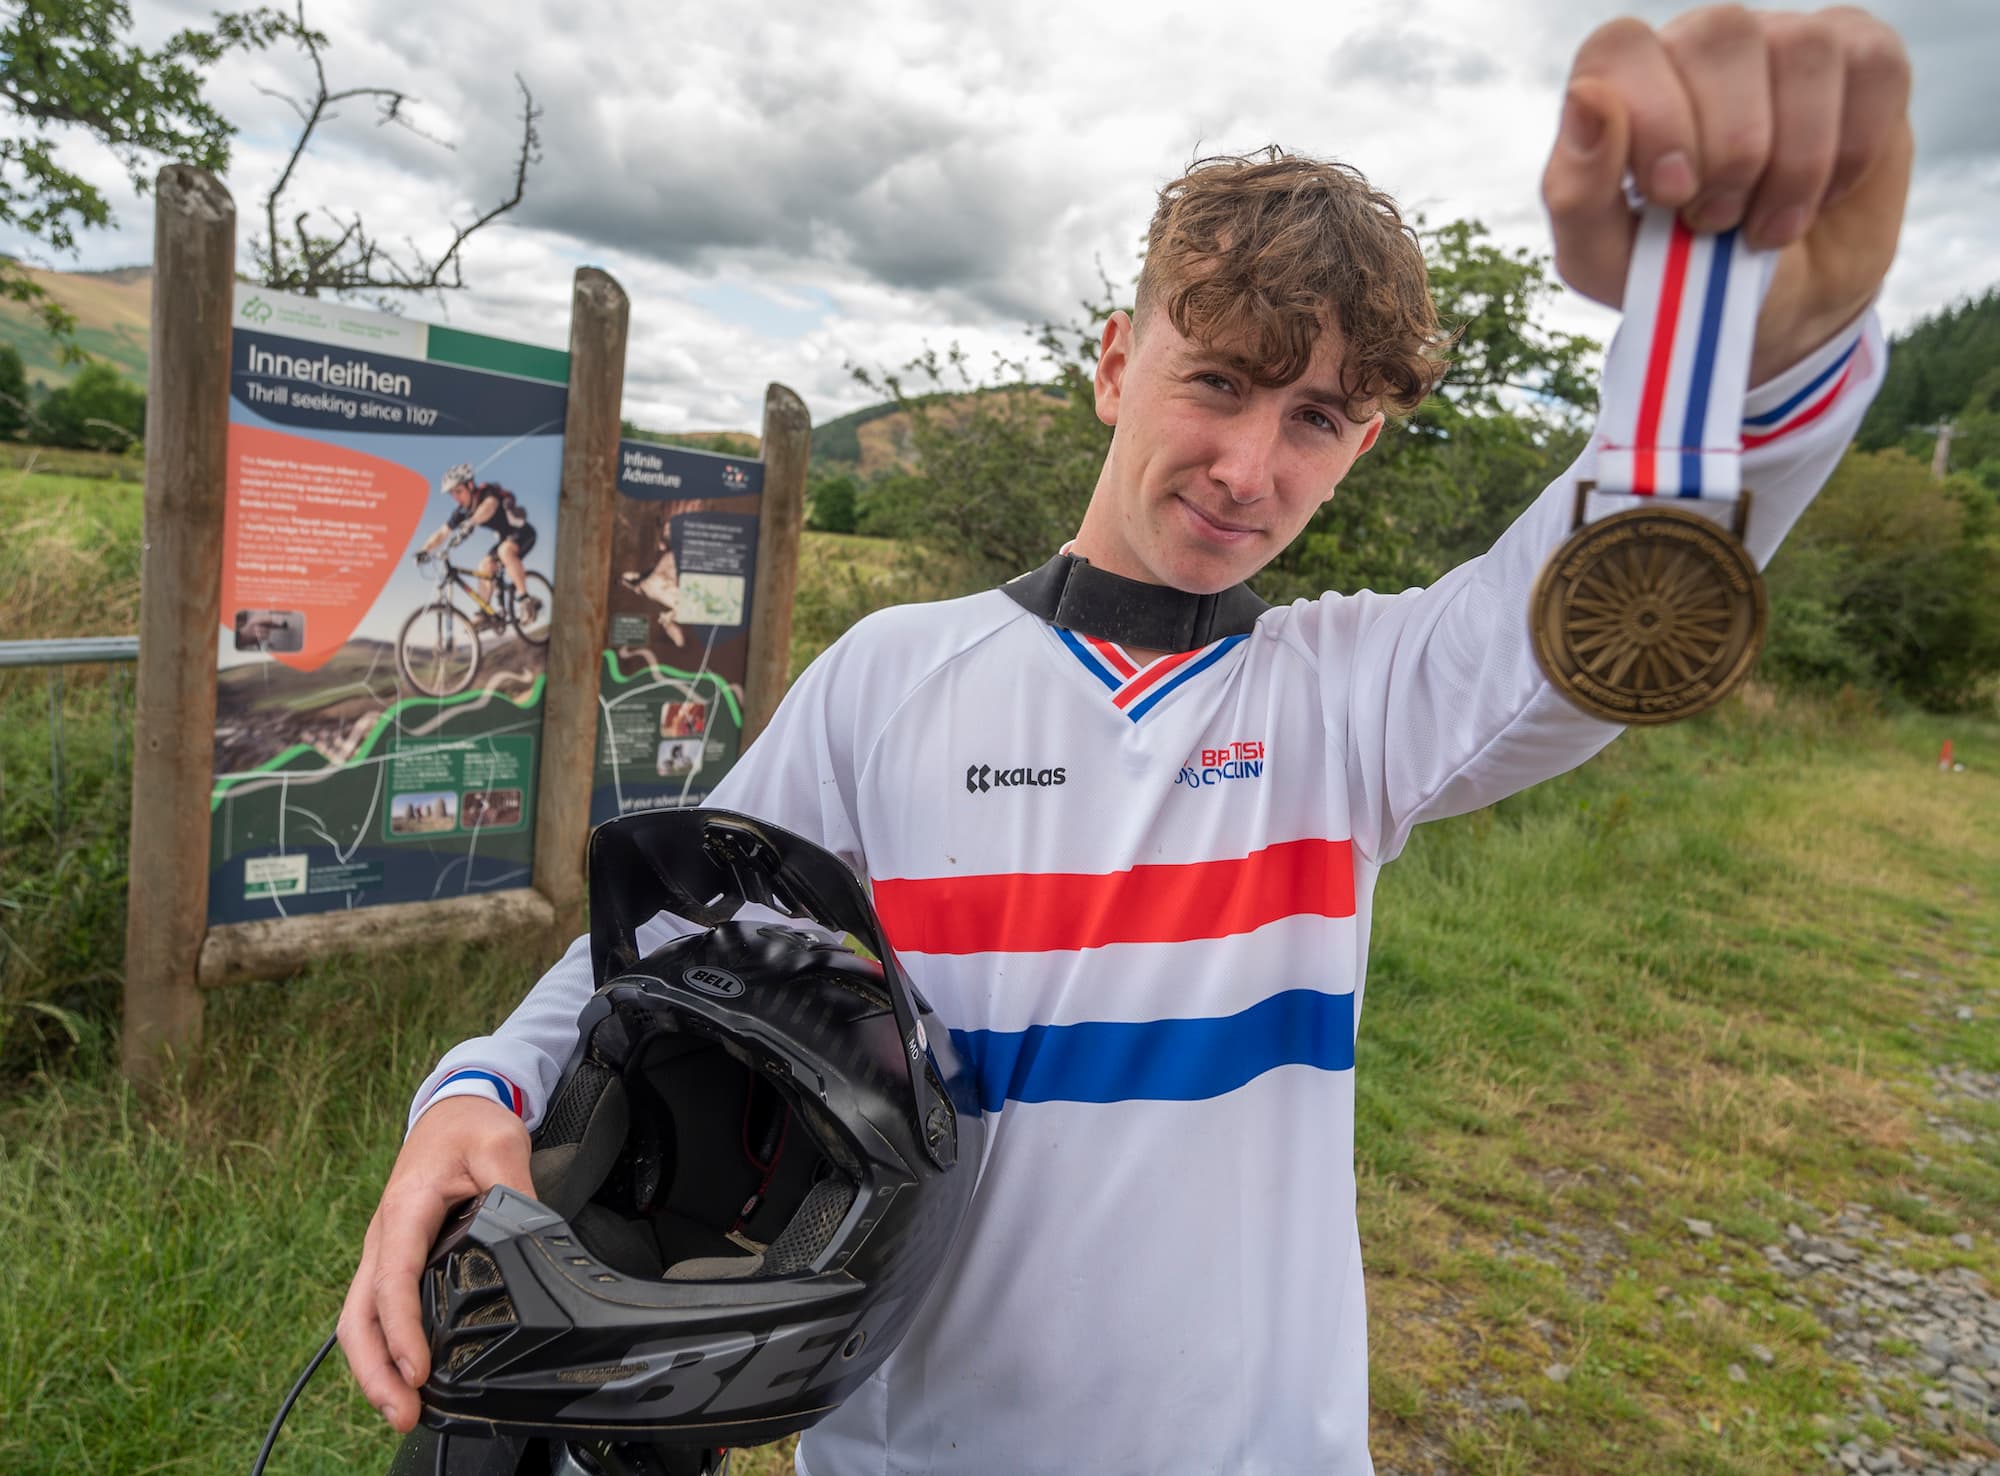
(785, 190)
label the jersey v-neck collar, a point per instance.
(1136, 690)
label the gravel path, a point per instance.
(1934, 1335)
(1925, 1342)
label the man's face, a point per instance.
(1209, 476)
(461, 493)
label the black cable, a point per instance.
(271, 1436)
(444, 1444)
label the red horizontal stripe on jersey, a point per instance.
(1038, 912)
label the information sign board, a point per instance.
(378, 721)
(683, 578)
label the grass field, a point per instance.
(1706, 981)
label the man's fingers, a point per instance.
(410, 1218)
(1664, 147)
(1807, 87)
(1583, 188)
(1719, 56)
(1876, 97)
(367, 1353)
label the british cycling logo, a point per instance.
(257, 310)
(980, 778)
(1242, 758)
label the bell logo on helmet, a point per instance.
(710, 980)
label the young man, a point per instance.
(490, 506)
(1158, 981)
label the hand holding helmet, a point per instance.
(747, 1178)
(746, 1182)
(459, 1148)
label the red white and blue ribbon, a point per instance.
(1671, 424)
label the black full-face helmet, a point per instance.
(748, 1176)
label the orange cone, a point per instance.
(1944, 758)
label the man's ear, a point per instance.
(1114, 353)
(1369, 432)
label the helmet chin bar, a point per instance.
(704, 865)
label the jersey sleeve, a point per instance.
(1438, 691)
(798, 774)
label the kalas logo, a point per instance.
(1241, 759)
(979, 778)
(257, 310)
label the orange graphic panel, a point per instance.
(315, 529)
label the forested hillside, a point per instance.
(1945, 368)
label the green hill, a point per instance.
(114, 320)
(1941, 366)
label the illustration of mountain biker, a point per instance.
(487, 505)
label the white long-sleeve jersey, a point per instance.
(1140, 897)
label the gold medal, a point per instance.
(1649, 615)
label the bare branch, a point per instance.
(353, 260)
(289, 101)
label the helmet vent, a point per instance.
(812, 1228)
(464, 1352)
(604, 1373)
(498, 1311)
(474, 1270)
(570, 1113)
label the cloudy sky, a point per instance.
(788, 189)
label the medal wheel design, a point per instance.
(1648, 616)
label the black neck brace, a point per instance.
(1070, 592)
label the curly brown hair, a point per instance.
(1255, 255)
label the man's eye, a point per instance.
(1217, 381)
(1320, 420)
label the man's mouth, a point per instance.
(1222, 529)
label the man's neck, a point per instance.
(1081, 547)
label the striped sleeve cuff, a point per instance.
(474, 1082)
(1804, 393)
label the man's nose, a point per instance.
(1244, 463)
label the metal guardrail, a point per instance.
(77, 651)
(55, 655)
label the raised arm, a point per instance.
(1794, 125)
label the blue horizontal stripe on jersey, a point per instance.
(1160, 1060)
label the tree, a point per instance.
(345, 255)
(64, 63)
(1935, 370)
(834, 501)
(14, 405)
(1887, 583)
(1440, 486)
(98, 410)
(1002, 473)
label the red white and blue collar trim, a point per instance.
(1136, 690)
(511, 1097)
